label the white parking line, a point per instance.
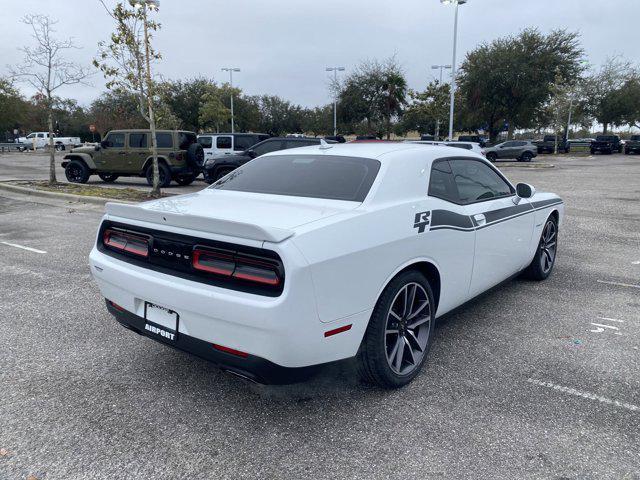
(587, 395)
(35, 250)
(611, 319)
(618, 284)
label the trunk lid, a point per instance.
(262, 217)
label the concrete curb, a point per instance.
(525, 165)
(60, 196)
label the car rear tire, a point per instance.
(400, 332)
(593, 152)
(184, 180)
(77, 172)
(108, 177)
(545, 258)
(526, 157)
(59, 147)
(163, 172)
(492, 157)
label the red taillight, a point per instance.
(232, 351)
(338, 330)
(126, 242)
(116, 306)
(236, 266)
(213, 262)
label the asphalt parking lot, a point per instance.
(533, 380)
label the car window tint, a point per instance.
(508, 144)
(138, 140)
(316, 176)
(165, 140)
(206, 142)
(223, 142)
(243, 142)
(519, 144)
(476, 181)
(268, 146)
(115, 140)
(441, 184)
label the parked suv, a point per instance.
(227, 143)
(521, 150)
(218, 166)
(479, 139)
(548, 144)
(632, 145)
(127, 153)
(606, 144)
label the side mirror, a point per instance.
(252, 153)
(104, 143)
(524, 190)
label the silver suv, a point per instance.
(521, 150)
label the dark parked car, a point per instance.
(548, 145)
(632, 145)
(606, 144)
(473, 138)
(521, 150)
(217, 167)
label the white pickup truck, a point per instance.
(36, 140)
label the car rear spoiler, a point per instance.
(199, 223)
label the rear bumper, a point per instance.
(251, 367)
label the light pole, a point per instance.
(441, 67)
(335, 71)
(231, 70)
(457, 3)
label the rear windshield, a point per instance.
(605, 138)
(316, 176)
(635, 138)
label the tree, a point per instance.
(212, 112)
(46, 70)
(631, 93)
(126, 62)
(606, 91)
(12, 107)
(373, 96)
(427, 109)
(510, 79)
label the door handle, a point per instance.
(480, 219)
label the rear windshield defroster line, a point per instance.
(316, 176)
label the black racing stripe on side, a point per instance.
(451, 219)
(544, 203)
(506, 219)
(449, 227)
(501, 213)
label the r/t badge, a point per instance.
(422, 221)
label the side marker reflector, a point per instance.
(232, 351)
(335, 331)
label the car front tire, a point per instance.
(545, 258)
(77, 172)
(400, 332)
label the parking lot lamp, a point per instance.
(335, 71)
(441, 67)
(231, 70)
(457, 3)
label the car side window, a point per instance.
(508, 144)
(268, 146)
(243, 142)
(519, 144)
(223, 142)
(477, 181)
(441, 182)
(137, 140)
(165, 140)
(115, 140)
(206, 142)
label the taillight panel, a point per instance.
(232, 266)
(126, 242)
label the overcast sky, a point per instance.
(283, 46)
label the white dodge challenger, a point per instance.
(317, 254)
